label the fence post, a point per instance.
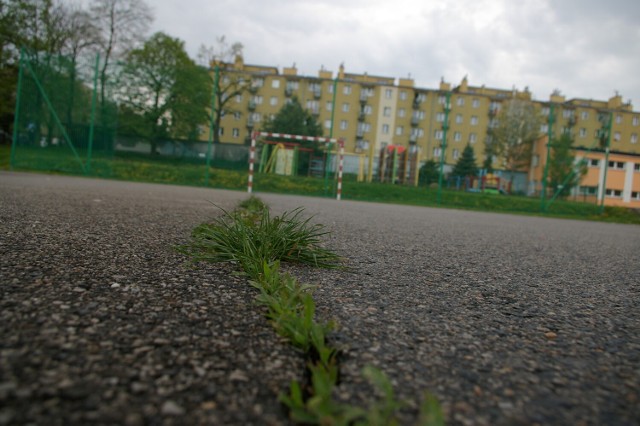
(212, 126)
(94, 99)
(16, 118)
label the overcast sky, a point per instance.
(585, 48)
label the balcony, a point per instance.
(288, 91)
(250, 124)
(360, 133)
(361, 116)
(415, 121)
(251, 106)
(413, 139)
(363, 98)
(317, 93)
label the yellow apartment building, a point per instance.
(370, 112)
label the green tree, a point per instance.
(518, 126)
(564, 173)
(428, 173)
(466, 165)
(295, 120)
(165, 90)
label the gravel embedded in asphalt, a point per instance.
(506, 319)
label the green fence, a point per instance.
(67, 121)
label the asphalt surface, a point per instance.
(505, 319)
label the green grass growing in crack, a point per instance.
(254, 240)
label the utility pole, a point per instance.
(445, 127)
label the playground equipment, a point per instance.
(398, 164)
(255, 136)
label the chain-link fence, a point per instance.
(67, 120)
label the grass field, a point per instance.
(192, 173)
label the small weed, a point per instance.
(257, 242)
(239, 238)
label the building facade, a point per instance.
(370, 112)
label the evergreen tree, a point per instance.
(428, 173)
(293, 119)
(466, 165)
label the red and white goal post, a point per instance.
(257, 135)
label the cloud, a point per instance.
(585, 48)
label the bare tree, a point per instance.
(122, 24)
(230, 82)
(518, 127)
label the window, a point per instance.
(235, 133)
(544, 111)
(616, 165)
(588, 190)
(475, 103)
(437, 151)
(387, 111)
(634, 138)
(442, 99)
(544, 128)
(584, 115)
(440, 117)
(388, 93)
(273, 101)
(614, 193)
(257, 82)
(368, 109)
(385, 129)
(616, 136)
(474, 120)
(458, 118)
(221, 131)
(635, 195)
(419, 114)
(457, 136)
(345, 107)
(344, 125)
(535, 160)
(257, 99)
(275, 83)
(636, 167)
(473, 138)
(420, 98)
(313, 106)
(327, 124)
(460, 101)
(256, 117)
(330, 88)
(401, 112)
(237, 115)
(635, 120)
(593, 162)
(329, 106)
(438, 135)
(238, 99)
(583, 132)
(399, 130)
(403, 95)
(456, 154)
(618, 118)
(567, 113)
(346, 90)
(292, 85)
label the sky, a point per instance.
(585, 48)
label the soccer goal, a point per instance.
(256, 136)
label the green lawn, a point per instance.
(182, 172)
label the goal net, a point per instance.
(256, 136)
